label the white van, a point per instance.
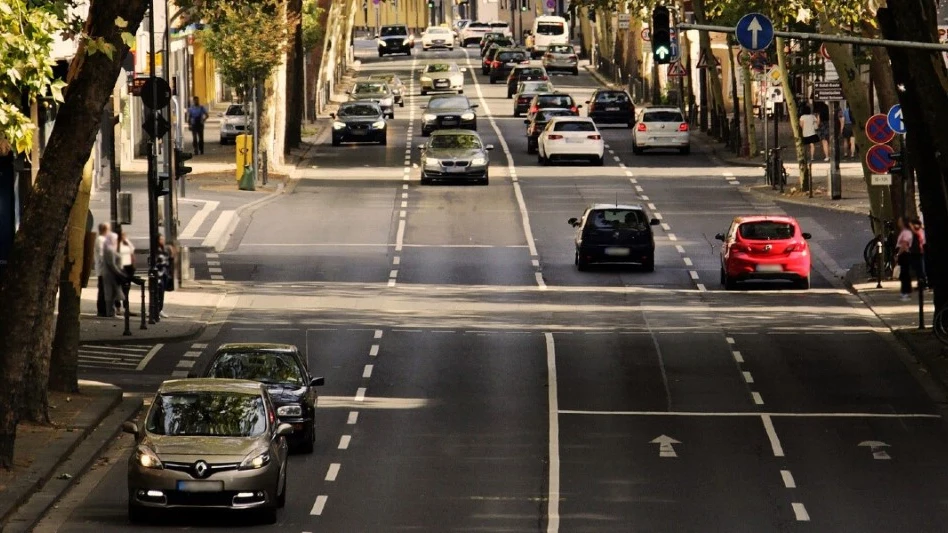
(548, 30)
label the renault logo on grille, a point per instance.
(201, 469)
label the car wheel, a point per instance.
(729, 284)
(425, 180)
(540, 159)
(509, 95)
(309, 438)
(581, 264)
(804, 283)
(424, 92)
(381, 54)
(401, 103)
(139, 515)
(425, 133)
(336, 141)
(493, 81)
(384, 140)
(531, 148)
(631, 125)
(723, 277)
(636, 150)
(484, 181)
(484, 71)
(268, 515)
(576, 71)
(516, 113)
(649, 264)
(685, 151)
(598, 161)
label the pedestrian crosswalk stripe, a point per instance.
(118, 357)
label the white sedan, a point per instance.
(438, 77)
(570, 138)
(437, 37)
(661, 127)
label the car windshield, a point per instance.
(478, 25)
(554, 100)
(389, 31)
(612, 98)
(499, 25)
(530, 71)
(267, 367)
(448, 103)
(208, 414)
(560, 49)
(235, 111)
(441, 67)
(550, 28)
(511, 56)
(438, 30)
(468, 142)
(613, 219)
(549, 114)
(662, 116)
(574, 125)
(371, 88)
(532, 87)
(766, 231)
(359, 111)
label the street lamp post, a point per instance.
(152, 177)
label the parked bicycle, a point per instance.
(776, 173)
(870, 253)
(940, 325)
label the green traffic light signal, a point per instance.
(661, 35)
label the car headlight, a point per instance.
(428, 117)
(432, 162)
(147, 458)
(478, 161)
(338, 125)
(406, 42)
(385, 102)
(378, 124)
(382, 43)
(290, 410)
(258, 458)
(426, 79)
(467, 116)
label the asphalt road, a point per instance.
(475, 381)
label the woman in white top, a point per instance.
(126, 252)
(809, 124)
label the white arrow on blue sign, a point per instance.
(896, 122)
(754, 31)
(673, 42)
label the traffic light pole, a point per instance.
(152, 178)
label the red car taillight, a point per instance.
(495, 64)
(743, 248)
(523, 99)
(594, 137)
(544, 78)
(548, 56)
(574, 109)
(641, 127)
(795, 247)
(573, 58)
(683, 126)
(534, 109)
(525, 62)
(554, 137)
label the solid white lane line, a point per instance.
(772, 435)
(333, 471)
(800, 512)
(788, 480)
(747, 376)
(758, 399)
(378, 334)
(680, 248)
(344, 442)
(360, 394)
(553, 496)
(540, 283)
(353, 418)
(400, 235)
(374, 350)
(747, 413)
(367, 371)
(151, 353)
(693, 274)
(688, 262)
(737, 356)
(319, 505)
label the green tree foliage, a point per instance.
(313, 30)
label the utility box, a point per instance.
(244, 148)
(124, 208)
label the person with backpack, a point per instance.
(908, 256)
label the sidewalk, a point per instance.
(49, 459)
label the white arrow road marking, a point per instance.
(877, 448)
(754, 27)
(665, 448)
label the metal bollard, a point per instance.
(128, 329)
(921, 303)
(881, 263)
(144, 312)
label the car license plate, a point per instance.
(612, 109)
(200, 486)
(769, 268)
(449, 123)
(575, 141)
(359, 132)
(617, 252)
(455, 169)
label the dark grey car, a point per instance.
(455, 155)
(395, 83)
(359, 122)
(448, 112)
(377, 91)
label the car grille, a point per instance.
(358, 127)
(450, 120)
(455, 163)
(189, 468)
(442, 82)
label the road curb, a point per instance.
(599, 77)
(805, 203)
(38, 494)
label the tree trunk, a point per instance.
(793, 113)
(30, 284)
(738, 147)
(293, 131)
(749, 125)
(857, 94)
(714, 77)
(925, 110)
(64, 361)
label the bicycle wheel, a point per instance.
(869, 253)
(940, 326)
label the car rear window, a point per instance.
(549, 114)
(478, 25)
(613, 219)
(574, 126)
(662, 116)
(554, 100)
(371, 88)
(531, 71)
(612, 98)
(511, 56)
(766, 231)
(499, 25)
(550, 28)
(560, 49)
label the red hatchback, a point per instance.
(764, 247)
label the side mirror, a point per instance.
(421, 146)
(332, 115)
(489, 147)
(475, 106)
(573, 222)
(376, 36)
(654, 222)
(284, 429)
(423, 107)
(349, 93)
(807, 236)
(317, 382)
(720, 237)
(587, 101)
(130, 427)
(579, 106)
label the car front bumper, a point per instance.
(468, 174)
(353, 135)
(262, 482)
(434, 86)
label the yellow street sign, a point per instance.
(774, 75)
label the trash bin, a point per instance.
(244, 148)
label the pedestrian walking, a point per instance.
(126, 251)
(197, 115)
(100, 239)
(849, 137)
(808, 125)
(908, 257)
(822, 111)
(918, 231)
(113, 276)
(165, 263)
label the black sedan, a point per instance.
(284, 372)
(394, 40)
(359, 122)
(524, 73)
(448, 111)
(538, 122)
(615, 234)
(455, 155)
(611, 106)
(504, 61)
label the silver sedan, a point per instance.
(442, 77)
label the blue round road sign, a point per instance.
(754, 31)
(878, 130)
(895, 120)
(879, 158)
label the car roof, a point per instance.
(761, 218)
(572, 119)
(248, 347)
(394, 26)
(555, 93)
(240, 386)
(454, 131)
(628, 207)
(660, 108)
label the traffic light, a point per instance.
(523, 5)
(661, 36)
(180, 156)
(898, 160)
